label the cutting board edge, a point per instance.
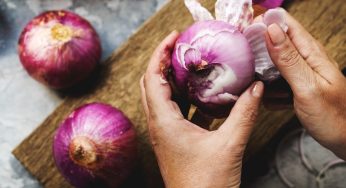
(121, 48)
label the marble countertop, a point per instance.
(24, 102)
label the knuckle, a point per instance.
(157, 123)
(289, 58)
(308, 92)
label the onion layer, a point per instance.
(95, 146)
(212, 65)
(59, 48)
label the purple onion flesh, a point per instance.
(95, 146)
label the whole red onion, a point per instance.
(212, 63)
(59, 48)
(95, 146)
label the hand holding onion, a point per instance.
(317, 84)
(183, 149)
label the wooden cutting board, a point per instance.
(117, 84)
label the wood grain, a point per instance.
(118, 85)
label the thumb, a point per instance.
(238, 126)
(288, 60)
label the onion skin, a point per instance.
(95, 146)
(59, 48)
(212, 45)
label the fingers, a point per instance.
(288, 60)
(302, 38)
(158, 91)
(238, 126)
(310, 49)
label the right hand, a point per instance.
(318, 86)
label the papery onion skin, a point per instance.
(220, 45)
(95, 146)
(59, 48)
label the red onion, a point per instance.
(59, 48)
(95, 146)
(209, 68)
(214, 61)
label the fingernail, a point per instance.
(276, 34)
(257, 88)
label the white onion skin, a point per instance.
(95, 146)
(59, 48)
(228, 48)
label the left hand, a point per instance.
(188, 155)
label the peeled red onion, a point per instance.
(59, 48)
(213, 63)
(215, 60)
(95, 146)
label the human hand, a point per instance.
(188, 155)
(319, 88)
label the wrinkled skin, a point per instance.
(318, 86)
(183, 149)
